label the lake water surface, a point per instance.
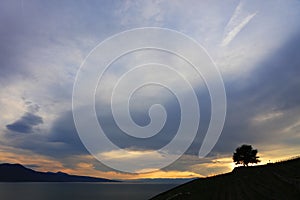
(81, 191)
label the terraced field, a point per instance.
(272, 181)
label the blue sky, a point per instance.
(255, 45)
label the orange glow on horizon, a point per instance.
(85, 165)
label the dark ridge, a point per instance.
(19, 173)
(272, 181)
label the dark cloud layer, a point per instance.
(26, 123)
(270, 88)
(63, 131)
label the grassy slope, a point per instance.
(272, 181)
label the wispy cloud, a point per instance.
(236, 23)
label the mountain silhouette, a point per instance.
(19, 173)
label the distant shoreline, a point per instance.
(19, 173)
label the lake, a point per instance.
(81, 191)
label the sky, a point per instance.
(254, 44)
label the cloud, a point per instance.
(235, 30)
(26, 123)
(135, 13)
(63, 132)
(263, 105)
(58, 142)
(236, 23)
(263, 94)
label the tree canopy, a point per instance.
(245, 154)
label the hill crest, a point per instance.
(271, 181)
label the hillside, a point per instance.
(19, 173)
(271, 181)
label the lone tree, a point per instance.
(245, 155)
